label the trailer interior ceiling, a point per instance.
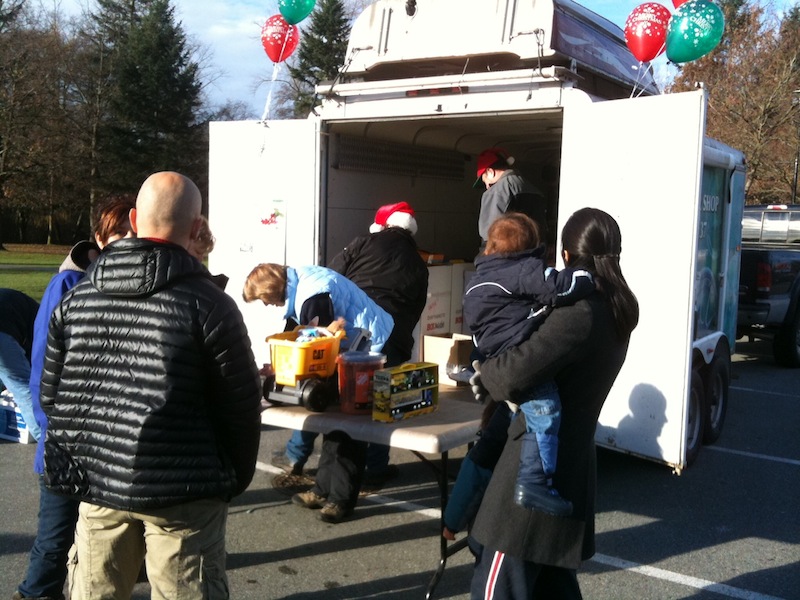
(529, 136)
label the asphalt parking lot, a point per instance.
(728, 527)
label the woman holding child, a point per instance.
(530, 553)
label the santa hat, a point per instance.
(394, 215)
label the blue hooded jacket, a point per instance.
(349, 301)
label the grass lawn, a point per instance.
(32, 283)
(34, 255)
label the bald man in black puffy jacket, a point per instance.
(152, 395)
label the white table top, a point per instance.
(454, 423)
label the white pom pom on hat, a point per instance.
(395, 215)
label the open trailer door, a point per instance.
(263, 207)
(642, 164)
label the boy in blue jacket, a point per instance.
(508, 298)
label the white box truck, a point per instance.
(427, 86)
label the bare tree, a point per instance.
(751, 77)
(35, 133)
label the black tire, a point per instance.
(696, 422)
(315, 395)
(717, 390)
(268, 386)
(786, 345)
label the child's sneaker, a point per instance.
(542, 498)
(280, 460)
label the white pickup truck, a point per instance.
(422, 94)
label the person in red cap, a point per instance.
(506, 191)
(387, 266)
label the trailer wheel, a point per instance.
(315, 395)
(697, 414)
(786, 345)
(717, 389)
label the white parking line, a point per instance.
(432, 513)
(693, 582)
(611, 561)
(787, 461)
(763, 392)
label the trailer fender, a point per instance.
(706, 347)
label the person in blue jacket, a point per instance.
(47, 569)
(507, 299)
(311, 292)
(318, 294)
(386, 264)
(16, 334)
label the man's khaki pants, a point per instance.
(183, 548)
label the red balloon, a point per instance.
(677, 3)
(646, 30)
(279, 38)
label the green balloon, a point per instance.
(694, 30)
(295, 11)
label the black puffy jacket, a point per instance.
(388, 267)
(149, 384)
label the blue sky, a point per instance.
(239, 68)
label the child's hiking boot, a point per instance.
(542, 498)
(534, 488)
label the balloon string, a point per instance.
(275, 68)
(636, 81)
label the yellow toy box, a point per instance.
(294, 360)
(405, 391)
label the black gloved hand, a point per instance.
(481, 394)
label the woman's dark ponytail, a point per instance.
(593, 241)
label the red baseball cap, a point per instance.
(486, 159)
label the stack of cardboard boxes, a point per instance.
(443, 339)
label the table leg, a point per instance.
(445, 551)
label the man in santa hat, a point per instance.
(387, 266)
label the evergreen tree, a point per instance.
(102, 39)
(155, 99)
(321, 53)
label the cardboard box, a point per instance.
(450, 351)
(12, 426)
(435, 316)
(405, 391)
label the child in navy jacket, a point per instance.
(507, 299)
